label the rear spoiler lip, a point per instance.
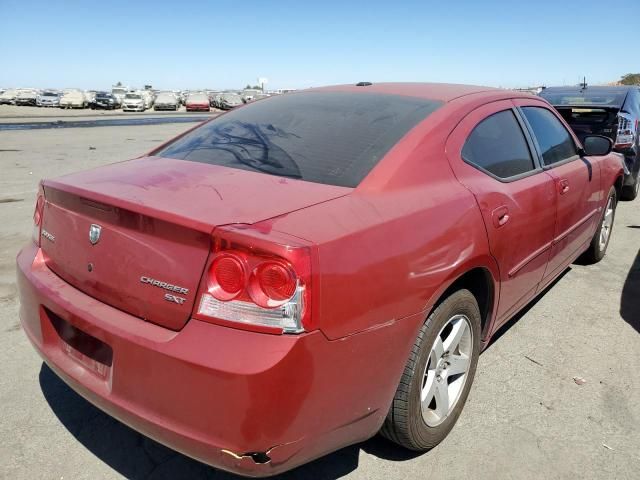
(600, 107)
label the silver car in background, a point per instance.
(167, 101)
(48, 99)
(133, 102)
(230, 100)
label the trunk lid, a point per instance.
(155, 217)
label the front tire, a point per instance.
(630, 192)
(600, 241)
(438, 375)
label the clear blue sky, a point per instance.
(224, 44)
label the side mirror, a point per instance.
(597, 145)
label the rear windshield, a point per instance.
(334, 138)
(586, 97)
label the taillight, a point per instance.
(226, 278)
(37, 217)
(272, 283)
(627, 132)
(257, 283)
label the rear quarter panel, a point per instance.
(387, 252)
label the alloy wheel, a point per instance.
(607, 223)
(447, 370)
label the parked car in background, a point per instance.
(106, 101)
(230, 100)
(133, 102)
(212, 96)
(90, 95)
(166, 101)
(250, 94)
(26, 97)
(197, 102)
(48, 99)
(149, 97)
(120, 92)
(74, 99)
(610, 111)
(217, 100)
(8, 97)
(307, 271)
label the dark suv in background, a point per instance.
(610, 111)
(105, 100)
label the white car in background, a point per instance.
(26, 97)
(8, 97)
(74, 99)
(166, 101)
(148, 98)
(119, 92)
(133, 102)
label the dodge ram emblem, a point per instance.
(94, 233)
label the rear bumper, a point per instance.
(217, 393)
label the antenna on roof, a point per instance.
(584, 83)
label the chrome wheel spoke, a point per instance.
(437, 351)
(453, 339)
(429, 389)
(442, 399)
(457, 364)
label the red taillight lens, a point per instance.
(272, 283)
(37, 214)
(226, 276)
(258, 281)
(37, 218)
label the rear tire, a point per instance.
(438, 375)
(600, 241)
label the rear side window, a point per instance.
(555, 142)
(334, 138)
(498, 146)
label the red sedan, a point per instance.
(297, 275)
(197, 102)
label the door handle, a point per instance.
(500, 216)
(563, 186)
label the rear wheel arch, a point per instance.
(482, 284)
(618, 186)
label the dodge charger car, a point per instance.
(304, 272)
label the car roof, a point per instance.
(444, 92)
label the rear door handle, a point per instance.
(500, 216)
(563, 186)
